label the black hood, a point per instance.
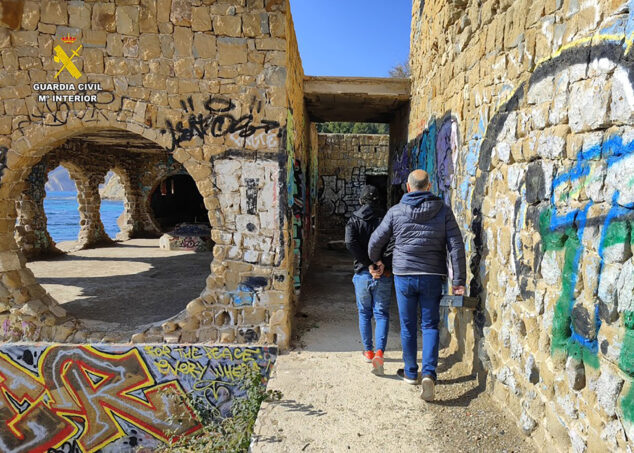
(368, 212)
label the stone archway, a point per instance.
(245, 296)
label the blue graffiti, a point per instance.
(612, 151)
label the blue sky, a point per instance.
(352, 37)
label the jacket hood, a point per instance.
(425, 205)
(367, 212)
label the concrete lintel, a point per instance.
(363, 99)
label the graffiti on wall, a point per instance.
(217, 120)
(574, 223)
(435, 150)
(3, 160)
(340, 197)
(400, 166)
(57, 113)
(575, 326)
(298, 202)
(111, 397)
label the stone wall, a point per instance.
(207, 82)
(345, 161)
(95, 382)
(522, 113)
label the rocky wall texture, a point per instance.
(206, 82)
(522, 113)
(345, 163)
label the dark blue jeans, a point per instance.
(412, 292)
(373, 299)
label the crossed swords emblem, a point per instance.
(67, 62)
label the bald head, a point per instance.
(418, 181)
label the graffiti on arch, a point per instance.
(86, 398)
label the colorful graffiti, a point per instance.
(565, 231)
(400, 166)
(111, 397)
(298, 203)
(435, 151)
(590, 203)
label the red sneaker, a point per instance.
(377, 363)
(368, 356)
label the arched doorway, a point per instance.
(176, 200)
(115, 289)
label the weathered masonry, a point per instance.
(151, 90)
(346, 163)
(520, 110)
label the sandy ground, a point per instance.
(119, 288)
(332, 403)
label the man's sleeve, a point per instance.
(380, 237)
(455, 246)
(353, 244)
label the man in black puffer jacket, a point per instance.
(373, 289)
(424, 229)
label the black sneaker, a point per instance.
(401, 373)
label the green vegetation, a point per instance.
(232, 434)
(335, 127)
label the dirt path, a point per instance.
(115, 290)
(332, 403)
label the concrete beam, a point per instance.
(363, 99)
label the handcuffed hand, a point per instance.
(377, 269)
(458, 290)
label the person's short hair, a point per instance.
(418, 180)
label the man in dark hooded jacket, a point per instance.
(424, 229)
(373, 288)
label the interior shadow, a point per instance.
(129, 290)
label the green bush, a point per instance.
(232, 434)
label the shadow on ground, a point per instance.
(126, 284)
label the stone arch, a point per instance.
(30, 300)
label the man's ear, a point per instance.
(408, 187)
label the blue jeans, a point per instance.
(424, 291)
(373, 299)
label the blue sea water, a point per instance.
(63, 217)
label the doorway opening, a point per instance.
(175, 201)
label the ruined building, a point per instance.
(520, 110)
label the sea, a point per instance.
(63, 216)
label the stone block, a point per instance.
(183, 41)
(231, 51)
(226, 335)
(588, 104)
(625, 288)
(93, 61)
(181, 12)
(147, 16)
(54, 12)
(227, 26)
(149, 46)
(127, 20)
(575, 373)
(204, 45)
(607, 387)
(103, 17)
